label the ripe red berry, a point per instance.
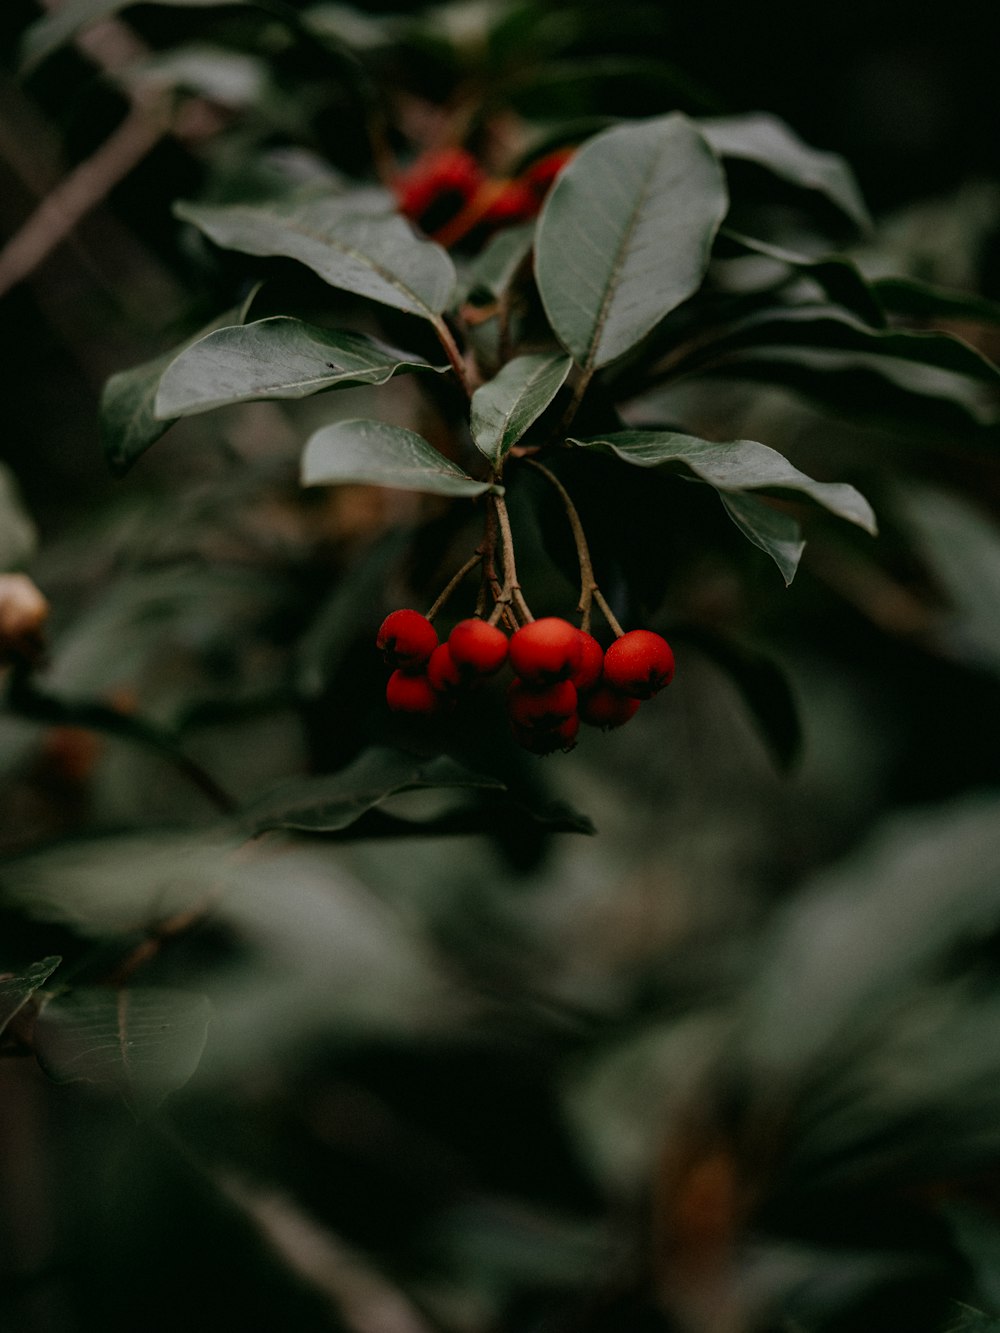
(441, 175)
(639, 663)
(588, 673)
(546, 650)
(442, 672)
(411, 694)
(407, 640)
(546, 740)
(541, 708)
(477, 649)
(605, 707)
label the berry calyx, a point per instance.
(639, 664)
(406, 693)
(477, 649)
(591, 664)
(443, 674)
(407, 639)
(543, 708)
(546, 740)
(606, 708)
(547, 650)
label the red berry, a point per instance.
(543, 171)
(435, 174)
(411, 694)
(513, 203)
(442, 672)
(407, 640)
(605, 707)
(639, 663)
(588, 673)
(541, 708)
(477, 649)
(546, 740)
(546, 650)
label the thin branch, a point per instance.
(454, 355)
(511, 592)
(454, 581)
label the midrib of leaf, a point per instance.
(528, 385)
(609, 292)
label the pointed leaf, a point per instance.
(17, 988)
(377, 454)
(909, 296)
(504, 408)
(493, 269)
(768, 142)
(733, 467)
(330, 804)
(373, 254)
(777, 533)
(839, 277)
(142, 1043)
(275, 358)
(625, 235)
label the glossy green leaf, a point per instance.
(47, 34)
(17, 988)
(378, 454)
(777, 533)
(504, 408)
(734, 467)
(18, 535)
(372, 253)
(626, 233)
(142, 1043)
(839, 277)
(768, 142)
(331, 804)
(275, 358)
(924, 300)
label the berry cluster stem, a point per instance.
(589, 591)
(453, 582)
(510, 593)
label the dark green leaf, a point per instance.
(373, 253)
(275, 358)
(626, 233)
(974, 1321)
(143, 1044)
(329, 804)
(504, 408)
(768, 142)
(18, 536)
(922, 300)
(493, 270)
(377, 454)
(839, 277)
(774, 531)
(734, 467)
(17, 988)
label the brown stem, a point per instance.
(572, 406)
(454, 581)
(511, 592)
(447, 341)
(609, 615)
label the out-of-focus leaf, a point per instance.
(229, 78)
(371, 252)
(626, 233)
(275, 358)
(504, 408)
(329, 804)
(974, 1321)
(734, 466)
(493, 269)
(382, 455)
(768, 142)
(602, 84)
(18, 535)
(17, 988)
(142, 1043)
(923, 300)
(777, 533)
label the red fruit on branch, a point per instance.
(546, 650)
(442, 672)
(407, 639)
(606, 708)
(444, 179)
(541, 708)
(411, 694)
(591, 664)
(477, 649)
(639, 664)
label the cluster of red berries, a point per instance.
(562, 674)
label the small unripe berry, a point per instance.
(605, 707)
(588, 672)
(639, 663)
(407, 640)
(411, 694)
(546, 740)
(477, 649)
(541, 708)
(442, 672)
(546, 650)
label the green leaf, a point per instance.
(626, 233)
(493, 269)
(923, 300)
(734, 467)
(18, 535)
(17, 988)
(377, 454)
(54, 30)
(275, 358)
(330, 804)
(504, 408)
(974, 1321)
(839, 277)
(775, 532)
(373, 254)
(768, 142)
(143, 1044)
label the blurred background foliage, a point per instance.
(444, 1058)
